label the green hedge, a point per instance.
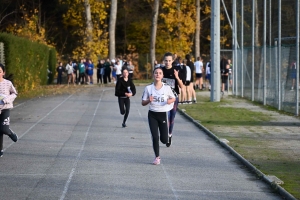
(28, 62)
(52, 64)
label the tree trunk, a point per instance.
(89, 24)
(197, 32)
(153, 32)
(112, 29)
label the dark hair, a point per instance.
(124, 68)
(188, 56)
(10, 76)
(158, 68)
(169, 54)
(2, 66)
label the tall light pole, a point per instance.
(215, 51)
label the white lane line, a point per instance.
(66, 188)
(165, 172)
(225, 191)
(39, 121)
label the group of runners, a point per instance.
(173, 83)
(162, 96)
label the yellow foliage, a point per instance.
(30, 28)
(75, 17)
(178, 28)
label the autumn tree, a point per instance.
(112, 29)
(153, 32)
(23, 19)
(85, 23)
(89, 26)
(174, 38)
(197, 32)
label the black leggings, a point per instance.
(105, 77)
(158, 121)
(4, 125)
(124, 104)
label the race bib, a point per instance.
(170, 82)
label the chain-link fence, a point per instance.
(266, 52)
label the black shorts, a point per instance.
(224, 79)
(187, 83)
(198, 75)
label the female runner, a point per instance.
(160, 98)
(124, 90)
(8, 94)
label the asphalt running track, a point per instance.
(74, 147)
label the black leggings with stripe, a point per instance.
(158, 121)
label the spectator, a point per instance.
(207, 74)
(70, 72)
(113, 71)
(81, 69)
(75, 69)
(90, 71)
(130, 68)
(107, 71)
(224, 78)
(293, 74)
(192, 97)
(118, 69)
(60, 71)
(199, 71)
(230, 73)
(99, 76)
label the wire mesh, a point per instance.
(278, 79)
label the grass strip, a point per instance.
(243, 128)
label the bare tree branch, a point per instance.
(6, 16)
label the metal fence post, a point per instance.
(253, 44)
(279, 55)
(270, 40)
(234, 39)
(265, 54)
(298, 60)
(215, 51)
(242, 48)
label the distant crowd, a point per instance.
(108, 71)
(193, 74)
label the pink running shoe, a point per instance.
(156, 161)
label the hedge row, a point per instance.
(28, 62)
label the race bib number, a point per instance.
(158, 99)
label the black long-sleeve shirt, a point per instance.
(122, 87)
